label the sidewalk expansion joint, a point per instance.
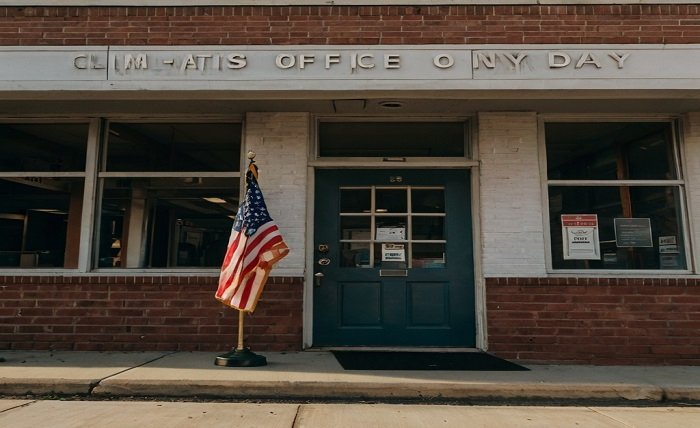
(95, 384)
(296, 416)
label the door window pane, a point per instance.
(391, 201)
(428, 228)
(390, 229)
(355, 200)
(355, 227)
(355, 254)
(427, 200)
(428, 256)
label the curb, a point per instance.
(360, 391)
(46, 386)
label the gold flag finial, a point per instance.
(252, 167)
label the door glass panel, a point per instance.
(355, 254)
(390, 255)
(355, 227)
(428, 228)
(355, 200)
(428, 256)
(390, 229)
(391, 201)
(374, 234)
(428, 200)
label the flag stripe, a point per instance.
(255, 245)
(253, 275)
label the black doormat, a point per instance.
(389, 360)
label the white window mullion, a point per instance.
(87, 225)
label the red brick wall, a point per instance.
(268, 25)
(597, 321)
(142, 314)
(565, 320)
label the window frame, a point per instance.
(98, 129)
(101, 175)
(679, 183)
(468, 160)
(88, 186)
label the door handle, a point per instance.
(318, 277)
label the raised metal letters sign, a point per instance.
(432, 67)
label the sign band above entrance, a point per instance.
(360, 67)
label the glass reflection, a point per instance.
(391, 201)
(43, 147)
(428, 256)
(355, 200)
(355, 227)
(428, 200)
(428, 228)
(166, 222)
(173, 147)
(355, 254)
(40, 222)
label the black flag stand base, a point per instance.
(240, 356)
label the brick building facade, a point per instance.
(633, 307)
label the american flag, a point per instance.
(254, 247)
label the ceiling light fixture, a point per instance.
(391, 104)
(215, 200)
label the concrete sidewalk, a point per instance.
(318, 376)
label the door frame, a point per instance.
(472, 166)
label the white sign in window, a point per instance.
(580, 236)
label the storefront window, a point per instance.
(41, 189)
(169, 194)
(615, 197)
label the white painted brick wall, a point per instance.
(691, 139)
(510, 195)
(280, 141)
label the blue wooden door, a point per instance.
(393, 258)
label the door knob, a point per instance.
(317, 278)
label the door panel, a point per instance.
(397, 264)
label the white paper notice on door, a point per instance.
(393, 253)
(391, 234)
(580, 236)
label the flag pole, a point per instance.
(241, 356)
(240, 331)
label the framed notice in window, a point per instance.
(580, 236)
(633, 232)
